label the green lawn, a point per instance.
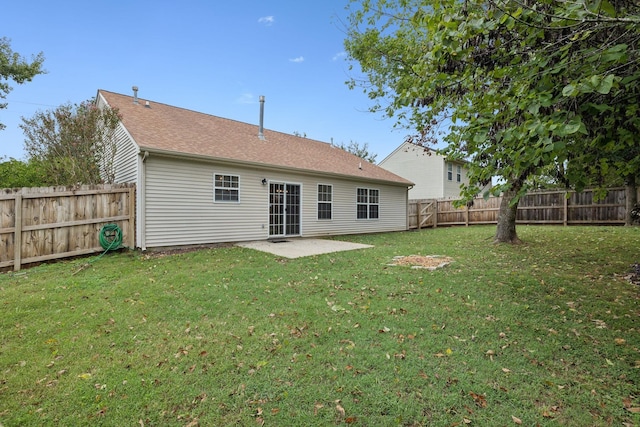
(544, 333)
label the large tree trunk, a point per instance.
(631, 193)
(506, 230)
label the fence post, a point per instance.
(418, 218)
(435, 214)
(17, 233)
(466, 216)
(566, 209)
(132, 217)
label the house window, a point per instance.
(226, 188)
(367, 203)
(325, 201)
(458, 173)
(450, 171)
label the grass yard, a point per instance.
(545, 333)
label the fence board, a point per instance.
(40, 224)
(541, 207)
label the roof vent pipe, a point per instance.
(135, 94)
(261, 127)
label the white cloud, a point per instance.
(339, 55)
(245, 98)
(298, 59)
(267, 20)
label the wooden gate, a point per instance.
(422, 213)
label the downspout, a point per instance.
(141, 217)
(407, 224)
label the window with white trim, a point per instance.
(458, 173)
(226, 188)
(449, 171)
(325, 201)
(367, 203)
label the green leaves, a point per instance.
(565, 129)
(604, 85)
(73, 143)
(595, 83)
(16, 68)
(531, 88)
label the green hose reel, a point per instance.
(110, 237)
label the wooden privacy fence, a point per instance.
(40, 224)
(540, 207)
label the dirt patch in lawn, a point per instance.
(429, 262)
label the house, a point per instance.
(435, 177)
(205, 179)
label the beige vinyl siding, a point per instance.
(428, 172)
(126, 158)
(125, 162)
(416, 165)
(393, 205)
(452, 188)
(392, 210)
(180, 209)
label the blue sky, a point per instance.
(216, 57)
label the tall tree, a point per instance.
(15, 67)
(521, 81)
(361, 151)
(75, 143)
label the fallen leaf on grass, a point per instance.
(479, 399)
(549, 413)
(340, 410)
(516, 420)
(447, 352)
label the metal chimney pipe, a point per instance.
(261, 127)
(135, 94)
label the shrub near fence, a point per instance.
(540, 207)
(40, 224)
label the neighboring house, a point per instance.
(205, 179)
(434, 176)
